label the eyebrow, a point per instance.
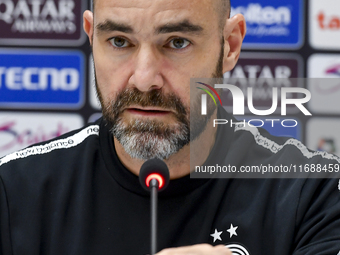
(110, 26)
(183, 26)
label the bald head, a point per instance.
(222, 7)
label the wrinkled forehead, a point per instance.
(143, 14)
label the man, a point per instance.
(79, 194)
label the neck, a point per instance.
(178, 163)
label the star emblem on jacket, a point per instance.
(232, 230)
(235, 248)
(217, 234)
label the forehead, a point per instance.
(143, 14)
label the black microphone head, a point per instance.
(154, 169)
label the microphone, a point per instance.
(154, 177)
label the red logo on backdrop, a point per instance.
(44, 21)
(328, 22)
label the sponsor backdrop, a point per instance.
(47, 81)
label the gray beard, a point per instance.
(146, 139)
(150, 139)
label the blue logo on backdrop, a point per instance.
(41, 79)
(271, 24)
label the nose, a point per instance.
(147, 74)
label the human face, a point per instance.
(145, 53)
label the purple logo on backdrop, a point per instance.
(44, 22)
(21, 129)
(26, 137)
(333, 70)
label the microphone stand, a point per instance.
(154, 176)
(153, 202)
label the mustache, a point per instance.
(153, 98)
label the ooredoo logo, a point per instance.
(324, 21)
(43, 22)
(41, 79)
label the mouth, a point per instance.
(150, 112)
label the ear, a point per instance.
(88, 24)
(234, 33)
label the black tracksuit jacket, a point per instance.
(72, 195)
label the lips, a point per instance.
(148, 112)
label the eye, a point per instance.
(179, 43)
(119, 42)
